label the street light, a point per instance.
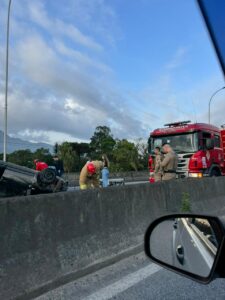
(212, 98)
(6, 84)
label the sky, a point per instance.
(130, 65)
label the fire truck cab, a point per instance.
(200, 148)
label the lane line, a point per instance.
(124, 283)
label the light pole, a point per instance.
(6, 84)
(212, 98)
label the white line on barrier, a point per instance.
(124, 283)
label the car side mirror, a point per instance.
(187, 244)
(209, 144)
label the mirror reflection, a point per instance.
(189, 244)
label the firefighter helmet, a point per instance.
(91, 168)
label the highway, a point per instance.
(136, 278)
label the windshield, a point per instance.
(183, 143)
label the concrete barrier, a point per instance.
(48, 240)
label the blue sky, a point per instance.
(130, 65)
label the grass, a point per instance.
(185, 202)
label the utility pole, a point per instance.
(6, 84)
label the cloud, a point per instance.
(79, 57)
(62, 86)
(179, 58)
(72, 106)
(49, 94)
(55, 26)
(96, 16)
(33, 136)
(39, 15)
(200, 95)
(58, 87)
(164, 102)
(170, 104)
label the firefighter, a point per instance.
(157, 165)
(169, 163)
(90, 174)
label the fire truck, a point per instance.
(200, 148)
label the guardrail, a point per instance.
(115, 181)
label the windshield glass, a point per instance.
(182, 143)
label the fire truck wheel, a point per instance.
(214, 173)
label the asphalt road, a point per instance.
(136, 278)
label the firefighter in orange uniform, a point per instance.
(90, 175)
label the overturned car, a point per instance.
(17, 180)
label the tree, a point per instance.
(43, 155)
(81, 149)
(142, 148)
(69, 157)
(26, 157)
(102, 142)
(22, 158)
(125, 156)
(84, 153)
(56, 148)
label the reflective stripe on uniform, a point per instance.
(83, 186)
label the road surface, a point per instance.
(136, 278)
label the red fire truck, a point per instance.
(200, 148)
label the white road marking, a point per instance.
(124, 283)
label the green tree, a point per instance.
(125, 156)
(26, 157)
(81, 149)
(142, 148)
(43, 155)
(69, 157)
(56, 148)
(102, 142)
(22, 158)
(84, 153)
